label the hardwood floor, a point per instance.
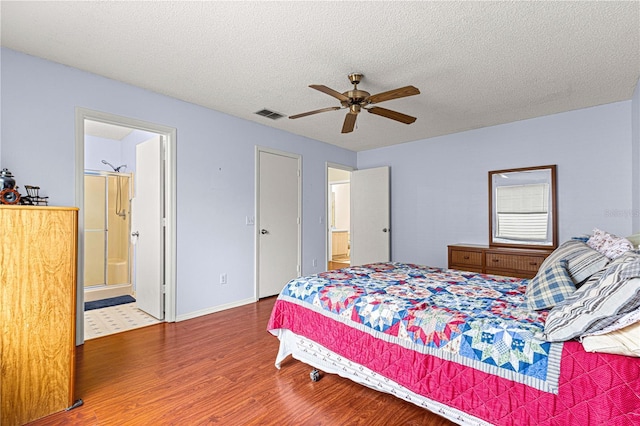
(336, 265)
(218, 369)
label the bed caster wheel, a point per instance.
(315, 375)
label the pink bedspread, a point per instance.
(593, 389)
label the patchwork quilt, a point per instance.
(462, 339)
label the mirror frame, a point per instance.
(553, 209)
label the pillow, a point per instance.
(597, 240)
(550, 287)
(584, 238)
(610, 245)
(634, 239)
(622, 322)
(583, 261)
(598, 303)
(625, 341)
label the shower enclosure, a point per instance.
(107, 254)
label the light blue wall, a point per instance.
(635, 138)
(97, 149)
(440, 185)
(116, 152)
(215, 168)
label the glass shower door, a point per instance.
(95, 231)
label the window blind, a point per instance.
(523, 211)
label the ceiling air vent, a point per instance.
(269, 114)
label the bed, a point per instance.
(464, 345)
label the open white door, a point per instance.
(370, 216)
(147, 227)
(278, 223)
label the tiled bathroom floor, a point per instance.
(115, 319)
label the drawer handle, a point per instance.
(465, 257)
(533, 263)
(495, 260)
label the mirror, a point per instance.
(522, 208)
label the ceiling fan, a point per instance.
(356, 100)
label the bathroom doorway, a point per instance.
(358, 216)
(106, 175)
(338, 217)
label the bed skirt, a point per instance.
(319, 357)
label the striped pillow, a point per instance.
(583, 261)
(598, 303)
(550, 287)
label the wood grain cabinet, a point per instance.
(512, 262)
(339, 243)
(38, 258)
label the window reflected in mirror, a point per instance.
(522, 207)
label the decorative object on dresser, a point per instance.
(9, 192)
(38, 261)
(507, 261)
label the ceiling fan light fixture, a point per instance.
(357, 99)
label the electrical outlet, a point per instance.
(315, 262)
(223, 278)
(250, 220)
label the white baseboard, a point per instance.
(213, 310)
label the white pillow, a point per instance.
(625, 341)
(634, 239)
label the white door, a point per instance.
(370, 216)
(278, 222)
(147, 227)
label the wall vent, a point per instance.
(269, 114)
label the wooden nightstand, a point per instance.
(507, 261)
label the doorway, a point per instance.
(367, 236)
(278, 224)
(338, 218)
(106, 141)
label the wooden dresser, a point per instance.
(38, 258)
(512, 262)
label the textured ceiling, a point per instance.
(476, 64)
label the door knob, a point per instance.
(135, 234)
(385, 230)
(264, 231)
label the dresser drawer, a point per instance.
(524, 263)
(468, 258)
(465, 259)
(510, 262)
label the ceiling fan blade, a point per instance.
(349, 122)
(394, 94)
(304, 114)
(330, 92)
(394, 115)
